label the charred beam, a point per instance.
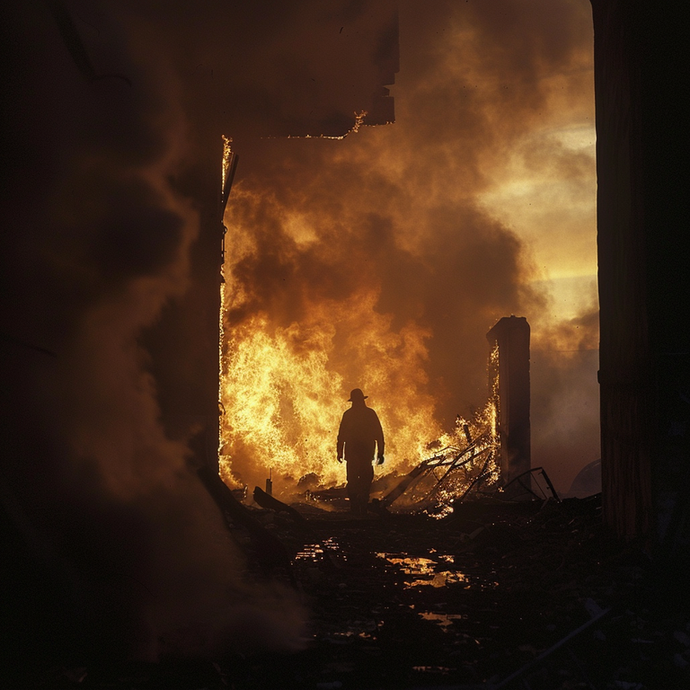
(267, 548)
(265, 500)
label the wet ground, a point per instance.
(406, 601)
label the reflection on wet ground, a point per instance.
(442, 619)
(401, 601)
(315, 552)
(424, 569)
(407, 602)
(411, 598)
(310, 552)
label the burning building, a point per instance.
(111, 300)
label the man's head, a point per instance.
(357, 397)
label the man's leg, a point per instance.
(359, 478)
(365, 486)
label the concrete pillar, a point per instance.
(509, 385)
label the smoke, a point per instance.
(401, 245)
(111, 129)
(384, 249)
(565, 394)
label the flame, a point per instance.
(225, 163)
(359, 121)
(285, 386)
(492, 409)
(283, 394)
(284, 389)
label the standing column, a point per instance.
(509, 374)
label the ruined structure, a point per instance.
(184, 341)
(509, 383)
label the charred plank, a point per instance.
(268, 550)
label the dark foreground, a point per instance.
(405, 601)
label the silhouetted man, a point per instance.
(360, 436)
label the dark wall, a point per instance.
(641, 74)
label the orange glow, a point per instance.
(284, 391)
(381, 261)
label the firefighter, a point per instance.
(360, 438)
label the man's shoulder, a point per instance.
(347, 415)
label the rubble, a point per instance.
(265, 500)
(497, 595)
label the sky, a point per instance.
(381, 259)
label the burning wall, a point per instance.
(509, 378)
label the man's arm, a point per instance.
(341, 440)
(380, 443)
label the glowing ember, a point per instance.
(359, 121)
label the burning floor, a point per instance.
(524, 594)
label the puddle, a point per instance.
(310, 552)
(424, 570)
(410, 566)
(440, 579)
(363, 630)
(315, 552)
(444, 620)
(433, 669)
(331, 544)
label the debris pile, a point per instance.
(496, 595)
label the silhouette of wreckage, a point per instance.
(474, 461)
(452, 475)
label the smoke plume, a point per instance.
(380, 261)
(111, 129)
